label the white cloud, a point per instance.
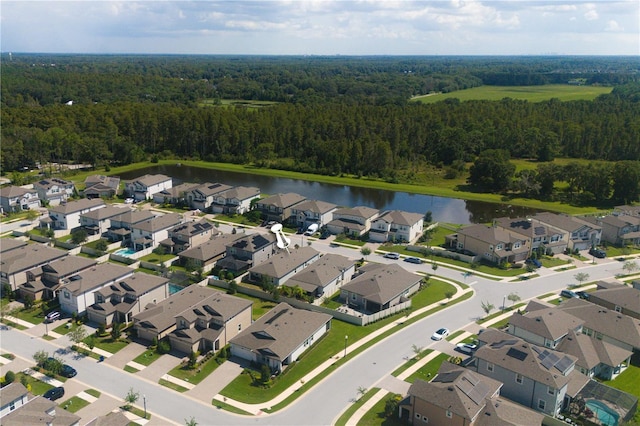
(613, 26)
(591, 15)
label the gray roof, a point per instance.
(50, 183)
(68, 265)
(136, 284)
(590, 351)
(40, 411)
(280, 331)
(191, 228)
(104, 213)
(282, 200)
(107, 181)
(606, 321)
(209, 189)
(315, 206)
(179, 190)
(492, 235)
(543, 365)
(284, 262)
(321, 273)
(363, 212)
(401, 217)
(28, 257)
(95, 277)
(525, 226)
(548, 323)
(134, 216)
(381, 283)
(254, 242)
(159, 222)
(563, 221)
(241, 193)
(78, 205)
(622, 295)
(114, 418)
(149, 180)
(502, 412)
(15, 191)
(8, 244)
(12, 391)
(218, 305)
(210, 249)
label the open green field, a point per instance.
(564, 92)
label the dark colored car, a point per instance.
(534, 262)
(568, 293)
(416, 260)
(595, 252)
(54, 393)
(68, 371)
(583, 295)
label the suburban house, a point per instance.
(202, 196)
(121, 300)
(101, 186)
(620, 230)
(144, 187)
(379, 287)
(16, 198)
(460, 396)
(582, 234)
(208, 254)
(325, 277)
(8, 244)
(236, 200)
(67, 216)
(494, 244)
(605, 324)
(176, 195)
(78, 291)
(539, 234)
(188, 234)
(121, 225)
(16, 263)
(618, 297)
(543, 325)
(279, 207)
(113, 418)
(354, 221)
(98, 222)
(44, 281)
(396, 225)
(54, 191)
(627, 210)
(313, 211)
(248, 250)
(210, 323)
(149, 233)
(20, 408)
(280, 336)
(532, 375)
(282, 266)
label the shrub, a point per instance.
(9, 377)
(164, 347)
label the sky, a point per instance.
(323, 27)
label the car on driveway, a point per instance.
(68, 371)
(466, 348)
(583, 295)
(54, 393)
(52, 316)
(568, 293)
(394, 256)
(535, 262)
(596, 252)
(416, 260)
(440, 334)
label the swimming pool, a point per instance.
(606, 415)
(174, 288)
(126, 252)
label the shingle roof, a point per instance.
(280, 331)
(95, 277)
(68, 265)
(283, 200)
(502, 412)
(241, 193)
(191, 228)
(284, 262)
(381, 283)
(78, 205)
(40, 411)
(563, 221)
(401, 217)
(315, 206)
(624, 296)
(8, 244)
(134, 216)
(590, 351)
(253, 242)
(548, 323)
(29, 256)
(114, 418)
(159, 222)
(210, 249)
(104, 213)
(12, 391)
(136, 284)
(15, 191)
(363, 212)
(209, 189)
(321, 273)
(149, 180)
(218, 305)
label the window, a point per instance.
(12, 405)
(542, 404)
(490, 367)
(239, 327)
(618, 308)
(449, 414)
(67, 295)
(519, 378)
(551, 391)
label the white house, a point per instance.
(67, 215)
(396, 225)
(16, 198)
(54, 191)
(235, 200)
(150, 232)
(202, 196)
(145, 186)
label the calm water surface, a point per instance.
(443, 209)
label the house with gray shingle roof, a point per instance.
(461, 396)
(325, 277)
(120, 229)
(618, 230)
(313, 211)
(101, 186)
(283, 265)
(98, 222)
(15, 199)
(149, 233)
(44, 281)
(236, 200)
(618, 297)
(54, 191)
(396, 225)
(209, 324)
(582, 234)
(12, 396)
(492, 243)
(15, 264)
(202, 196)
(279, 207)
(206, 255)
(379, 287)
(113, 418)
(544, 327)
(248, 250)
(187, 235)
(67, 215)
(176, 195)
(354, 221)
(20, 408)
(144, 187)
(540, 234)
(8, 244)
(280, 336)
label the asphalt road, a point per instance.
(325, 401)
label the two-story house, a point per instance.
(582, 234)
(313, 211)
(539, 234)
(208, 254)
(16, 198)
(354, 221)
(121, 300)
(282, 266)
(279, 207)
(145, 186)
(618, 297)
(176, 195)
(248, 250)
(149, 233)
(398, 226)
(44, 281)
(121, 225)
(202, 196)
(492, 243)
(101, 186)
(20, 408)
(187, 235)
(67, 215)
(236, 200)
(325, 277)
(54, 191)
(15, 264)
(98, 222)
(543, 325)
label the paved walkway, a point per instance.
(214, 383)
(125, 355)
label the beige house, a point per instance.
(283, 265)
(248, 250)
(538, 233)
(121, 225)
(208, 254)
(398, 226)
(491, 243)
(618, 297)
(313, 211)
(354, 221)
(149, 233)
(16, 263)
(188, 234)
(582, 235)
(202, 196)
(279, 207)
(101, 186)
(98, 222)
(176, 195)
(543, 325)
(619, 230)
(236, 200)
(325, 277)
(44, 281)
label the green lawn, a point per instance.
(37, 387)
(429, 370)
(33, 315)
(344, 418)
(157, 258)
(628, 381)
(147, 357)
(195, 375)
(375, 416)
(108, 344)
(564, 92)
(93, 392)
(130, 369)
(550, 262)
(172, 385)
(410, 362)
(74, 404)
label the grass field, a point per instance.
(564, 92)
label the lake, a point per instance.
(443, 209)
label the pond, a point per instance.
(443, 209)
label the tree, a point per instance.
(78, 334)
(492, 171)
(40, 357)
(449, 294)
(626, 181)
(630, 266)
(32, 215)
(416, 349)
(191, 422)
(91, 341)
(116, 330)
(193, 360)
(513, 298)
(391, 404)
(581, 277)
(434, 266)
(130, 398)
(28, 301)
(79, 236)
(365, 251)
(361, 391)
(9, 377)
(487, 307)
(101, 245)
(428, 216)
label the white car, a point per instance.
(440, 334)
(466, 348)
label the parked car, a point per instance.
(52, 316)
(568, 293)
(394, 256)
(534, 262)
(466, 348)
(596, 252)
(68, 371)
(440, 334)
(413, 260)
(54, 393)
(583, 295)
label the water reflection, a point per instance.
(443, 209)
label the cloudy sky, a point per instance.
(323, 27)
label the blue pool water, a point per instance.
(125, 252)
(606, 415)
(174, 288)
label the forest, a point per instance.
(330, 115)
